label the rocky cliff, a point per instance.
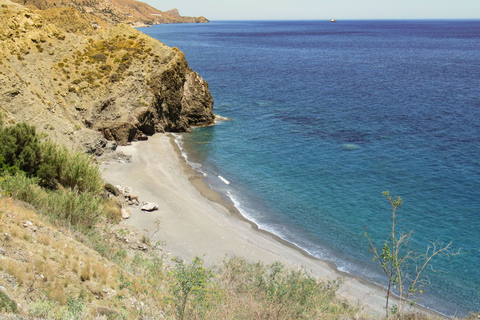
(80, 84)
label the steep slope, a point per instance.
(51, 272)
(77, 83)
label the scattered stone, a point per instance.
(27, 224)
(110, 292)
(133, 197)
(150, 206)
(125, 213)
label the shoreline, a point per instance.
(196, 220)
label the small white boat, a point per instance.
(333, 20)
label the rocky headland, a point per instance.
(85, 86)
(106, 13)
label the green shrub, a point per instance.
(73, 170)
(75, 306)
(190, 283)
(7, 304)
(20, 147)
(280, 292)
(52, 163)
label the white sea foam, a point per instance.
(310, 248)
(219, 119)
(243, 211)
(224, 180)
(195, 165)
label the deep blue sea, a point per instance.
(325, 116)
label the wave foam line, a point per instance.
(223, 179)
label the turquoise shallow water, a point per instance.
(327, 116)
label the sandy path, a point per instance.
(194, 220)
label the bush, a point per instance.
(20, 148)
(52, 163)
(73, 170)
(7, 304)
(27, 164)
(190, 281)
(274, 291)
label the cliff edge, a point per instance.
(82, 84)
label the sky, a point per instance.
(322, 9)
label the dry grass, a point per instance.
(113, 210)
(101, 272)
(55, 277)
(43, 263)
(85, 270)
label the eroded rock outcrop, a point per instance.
(86, 86)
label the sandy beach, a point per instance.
(195, 220)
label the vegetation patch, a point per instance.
(7, 304)
(61, 183)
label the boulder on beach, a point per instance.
(150, 206)
(125, 213)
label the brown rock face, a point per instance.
(175, 99)
(81, 87)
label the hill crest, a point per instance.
(106, 13)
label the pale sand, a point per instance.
(195, 220)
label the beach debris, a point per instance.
(150, 206)
(125, 213)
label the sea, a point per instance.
(323, 117)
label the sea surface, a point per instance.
(326, 116)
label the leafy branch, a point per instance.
(395, 258)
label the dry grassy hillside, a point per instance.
(46, 273)
(80, 84)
